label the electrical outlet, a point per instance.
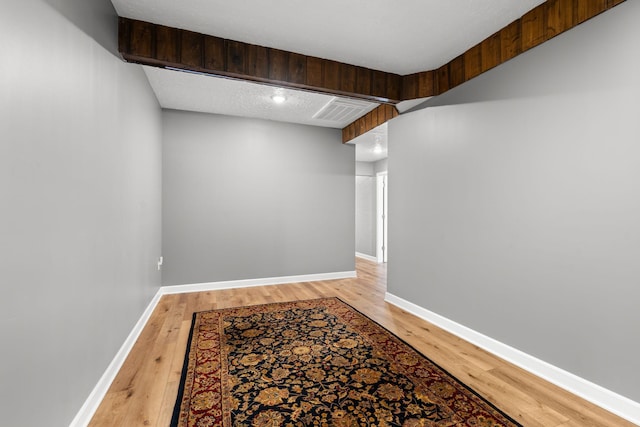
(160, 261)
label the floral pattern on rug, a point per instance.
(316, 363)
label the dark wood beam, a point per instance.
(374, 118)
(534, 28)
(540, 24)
(161, 46)
(418, 85)
(166, 47)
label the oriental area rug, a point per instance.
(315, 363)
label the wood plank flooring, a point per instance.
(145, 389)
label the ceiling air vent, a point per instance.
(341, 110)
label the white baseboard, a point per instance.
(88, 409)
(213, 286)
(607, 399)
(367, 257)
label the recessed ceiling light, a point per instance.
(377, 148)
(278, 98)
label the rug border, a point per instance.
(484, 399)
(175, 417)
(185, 365)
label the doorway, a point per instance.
(382, 198)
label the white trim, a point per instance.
(212, 286)
(90, 405)
(88, 409)
(382, 207)
(607, 399)
(367, 257)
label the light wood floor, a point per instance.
(145, 389)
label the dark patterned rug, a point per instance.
(315, 363)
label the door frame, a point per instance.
(382, 208)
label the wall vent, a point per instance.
(341, 110)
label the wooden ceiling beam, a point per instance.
(160, 46)
(374, 118)
(166, 47)
(542, 23)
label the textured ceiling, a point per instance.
(395, 36)
(193, 92)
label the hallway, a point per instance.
(145, 389)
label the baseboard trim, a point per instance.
(88, 409)
(230, 284)
(367, 257)
(598, 395)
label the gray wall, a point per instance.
(381, 166)
(515, 202)
(79, 205)
(366, 205)
(245, 198)
(365, 210)
(364, 169)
